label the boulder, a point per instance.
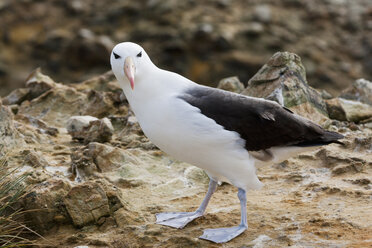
(232, 84)
(87, 203)
(282, 79)
(90, 129)
(360, 90)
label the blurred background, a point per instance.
(204, 40)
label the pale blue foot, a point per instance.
(222, 235)
(177, 220)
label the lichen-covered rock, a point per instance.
(360, 90)
(232, 84)
(86, 203)
(90, 129)
(196, 175)
(282, 79)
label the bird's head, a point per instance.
(128, 60)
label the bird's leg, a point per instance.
(181, 219)
(222, 235)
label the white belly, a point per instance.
(181, 131)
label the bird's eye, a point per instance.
(116, 56)
(140, 54)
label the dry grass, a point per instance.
(13, 231)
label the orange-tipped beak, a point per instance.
(129, 70)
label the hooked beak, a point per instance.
(129, 70)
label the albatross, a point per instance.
(224, 133)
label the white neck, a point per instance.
(151, 85)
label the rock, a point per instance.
(90, 129)
(82, 165)
(61, 102)
(262, 13)
(253, 29)
(54, 107)
(17, 96)
(261, 241)
(326, 95)
(196, 175)
(335, 110)
(44, 205)
(123, 218)
(360, 90)
(89, 48)
(9, 136)
(38, 83)
(282, 79)
(232, 84)
(108, 158)
(105, 82)
(342, 110)
(34, 159)
(76, 125)
(41, 126)
(86, 203)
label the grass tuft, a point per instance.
(13, 231)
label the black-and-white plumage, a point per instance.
(261, 123)
(225, 134)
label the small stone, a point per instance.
(76, 124)
(90, 129)
(335, 110)
(232, 84)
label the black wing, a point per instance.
(262, 124)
